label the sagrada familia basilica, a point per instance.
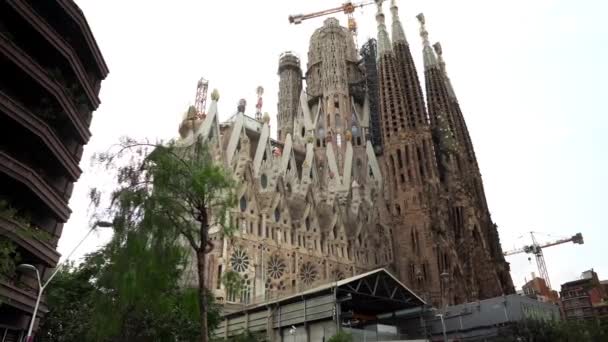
(364, 174)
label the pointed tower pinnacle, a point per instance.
(398, 33)
(448, 83)
(384, 43)
(430, 60)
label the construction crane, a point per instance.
(348, 8)
(200, 101)
(537, 249)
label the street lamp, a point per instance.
(445, 336)
(292, 332)
(445, 277)
(41, 287)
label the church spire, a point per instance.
(430, 61)
(408, 76)
(384, 43)
(398, 33)
(448, 83)
(461, 126)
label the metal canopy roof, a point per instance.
(377, 291)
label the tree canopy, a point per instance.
(167, 200)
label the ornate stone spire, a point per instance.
(384, 43)
(429, 56)
(398, 33)
(448, 83)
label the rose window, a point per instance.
(338, 275)
(308, 273)
(239, 260)
(276, 267)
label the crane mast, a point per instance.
(200, 101)
(537, 249)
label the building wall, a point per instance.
(51, 75)
(583, 298)
(481, 318)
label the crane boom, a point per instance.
(298, 18)
(577, 239)
(348, 8)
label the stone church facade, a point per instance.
(322, 202)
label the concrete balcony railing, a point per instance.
(19, 298)
(38, 23)
(36, 72)
(41, 250)
(76, 13)
(46, 134)
(36, 184)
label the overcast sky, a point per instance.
(530, 77)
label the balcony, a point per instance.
(38, 23)
(71, 8)
(36, 184)
(69, 21)
(34, 246)
(40, 129)
(19, 298)
(36, 72)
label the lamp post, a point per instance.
(444, 280)
(292, 332)
(445, 336)
(41, 287)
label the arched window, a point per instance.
(399, 158)
(359, 171)
(243, 203)
(338, 121)
(264, 180)
(277, 214)
(321, 133)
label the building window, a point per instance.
(308, 273)
(277, 214)
(264, 180)
(243, 203)
(276, 267)
(399, 160)
(218, 282)
(239, 260)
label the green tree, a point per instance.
(341, 336)
(84, 306)
(167, 197)
(69, 299)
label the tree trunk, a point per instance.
(202, 293)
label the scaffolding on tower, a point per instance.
(368, 52)
(200, 101)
